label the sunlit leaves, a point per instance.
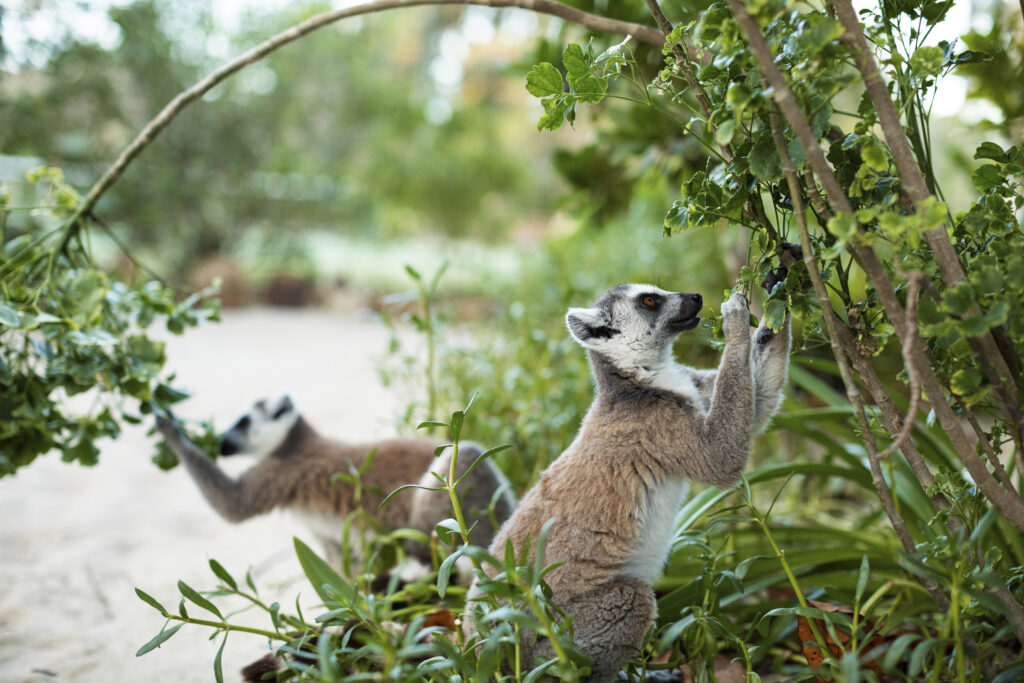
(580, 70)
(587, 79)
(544, 80)
(927, 61)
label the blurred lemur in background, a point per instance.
(295, 470)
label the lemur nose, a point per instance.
(697, 300)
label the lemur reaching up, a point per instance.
(296, 467)
(615, 492)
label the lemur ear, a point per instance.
(587, 326)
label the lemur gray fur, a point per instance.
(615, 492)
(295, 470)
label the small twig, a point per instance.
(590, 21)
(909, 342)
(683, 63)
(997, 465)
(816, 201)
(128, 253)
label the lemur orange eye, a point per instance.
(648, 301)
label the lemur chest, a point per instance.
(657, 523)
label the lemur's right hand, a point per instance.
(736, 318)
(169, 428)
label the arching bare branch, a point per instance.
(593, 22)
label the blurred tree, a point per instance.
(305, 138)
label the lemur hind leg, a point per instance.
(610, 621)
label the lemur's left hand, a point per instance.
(736, 318)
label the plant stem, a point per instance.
(225, 626)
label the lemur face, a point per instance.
(634, 326)
(262, 429)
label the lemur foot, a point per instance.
(736, 317)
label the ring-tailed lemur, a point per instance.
(296, 467)
(615, 492)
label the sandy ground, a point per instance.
(75, 542)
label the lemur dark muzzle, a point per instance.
(689, 306)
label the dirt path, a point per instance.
(75, 542)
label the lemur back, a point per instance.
(614, 493)
(296, 471)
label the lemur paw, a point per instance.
(764, 335)
(735, 317)
(169, 428)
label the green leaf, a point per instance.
(738, 95)
(158, 640)
(151, 601)
(543, 80)
(444, 572)
(9, 316)
(458, 417)
(843, 226)
(927, 60)
(822, 31)
(1010, 674)
(895, 652)
(536, 674)
(990, 150)
(862, 578)
(483, 456)
(873, 154)
(446, 528)
(218, 671)
(327, 583)
(965, 380)
(580, 74)
(958, 299)
(198, 599)
(403, 488)
(764, 159)
(431, 423)
(555, 109)
(723, 135)
(775, 313)
(223, 574)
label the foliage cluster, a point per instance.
(67, 329)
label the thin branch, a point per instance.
(909, 342)
(1009, 504)
(685, 68)
(852, 392)
(997, 465)
(816, 201)
(590, 21)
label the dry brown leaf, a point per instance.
(442, 617)
(815, 656)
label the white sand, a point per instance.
(75, 542)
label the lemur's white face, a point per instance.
(261, 429)
(633, 326)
